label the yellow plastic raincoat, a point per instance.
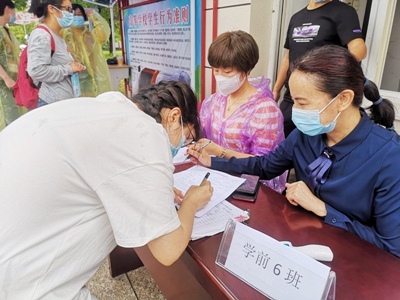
(86, 48)
(9, 60)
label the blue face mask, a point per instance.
(319, 1)
(66, 20)
(78, 22)
(174, 150)
(308, 122)
(12, 19)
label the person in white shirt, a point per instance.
(81, 176)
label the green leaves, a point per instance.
(21, 5)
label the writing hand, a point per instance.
(298, 193)
(199, 158)
(212, 148)
(199, 195)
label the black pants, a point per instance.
(286, 108)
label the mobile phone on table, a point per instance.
(248, 190)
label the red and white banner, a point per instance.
(25, 18)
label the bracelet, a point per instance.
(222, 155)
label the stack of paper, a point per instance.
(223, 184)
(213, 217)
(215, 220)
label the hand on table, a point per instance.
(298, 193)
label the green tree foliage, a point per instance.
(21, 5)
(19, 31)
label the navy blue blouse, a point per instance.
(362, 190)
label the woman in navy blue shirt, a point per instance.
(347, 163)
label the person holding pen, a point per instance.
(98, 174)
(346, 161)
(241, 119)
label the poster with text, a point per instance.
(160, 42)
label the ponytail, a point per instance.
(382, 110)
(344, 72)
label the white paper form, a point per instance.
(223, 184)
(215, 220)
(180, 157)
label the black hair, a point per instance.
(4, 4)
(39, 7)
(169, 94)
(76, 6)
(334, 69)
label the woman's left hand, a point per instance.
(298, 193)
(178, 195)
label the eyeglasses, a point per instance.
(67, 8)
(189, 140)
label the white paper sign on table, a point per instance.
(272, 268)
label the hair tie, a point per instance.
(377, 101)
(390, 128)
(366, 82)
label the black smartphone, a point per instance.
(248, 190)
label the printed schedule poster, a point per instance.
(158, 39)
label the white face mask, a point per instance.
(229, 85)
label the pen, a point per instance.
(205, 178)
(201, 148)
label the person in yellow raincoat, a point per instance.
(9, 62)
(86, 48)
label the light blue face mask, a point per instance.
(174, 150)
(12, 19)
(78, 22)
(66, 20)
(308, 122)
(319, 1)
